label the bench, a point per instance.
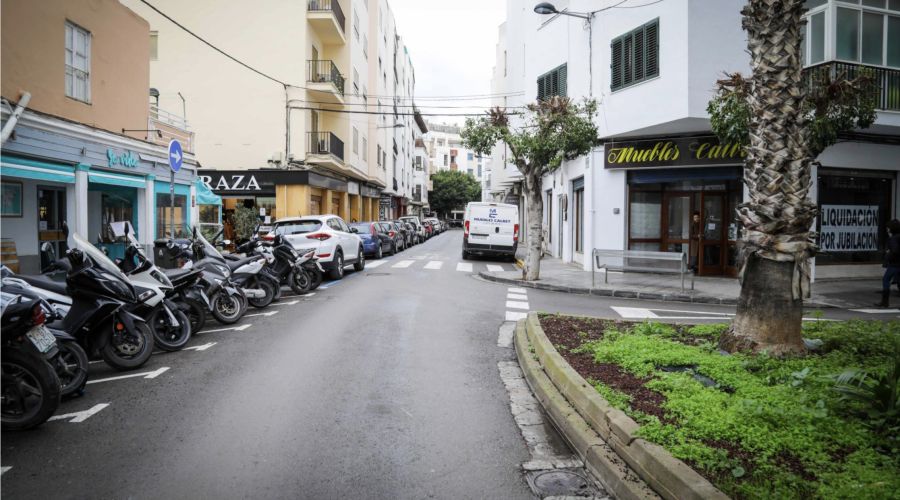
(640, 261)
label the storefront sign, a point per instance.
(126, 159)
(262, 182)
(353, 187)
(234, 182)
(672, 152)
(385, 201)
(849, 228)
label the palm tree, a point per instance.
(777, 241)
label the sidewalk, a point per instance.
(562, 277)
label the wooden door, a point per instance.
(712, 234)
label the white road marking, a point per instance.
(494, 268)
(516, 305)
(79, 416)
(515, 316)
(505, 336)
(373, 264)
(201, 347)
(270, 313)
(403, 263)
(516, 290)
(286, 303)
(147, 375)
(464, 267)
(634, 312)
(877, 311)
(516, 296)
(435, 264)
(4, 469)
(239, 328)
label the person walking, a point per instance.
(891, 263)
(694, 250)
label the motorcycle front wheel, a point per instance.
(71, 366)
(316, 277)
(269, 289)
(167, 336)
(128, 350)
(300, 281)
(30, 388)
(227, 309)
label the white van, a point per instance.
(490, 229)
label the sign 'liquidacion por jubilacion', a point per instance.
(849, 228)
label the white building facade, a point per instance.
(652, 70)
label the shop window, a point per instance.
(644, 215)
(854, 208)
(51, 217)
(78, 63)
(164, 213)
(315, 205)
(114, 208)
(209, 214)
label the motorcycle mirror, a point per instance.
(226, 242)
(65, 229)
(194, 232)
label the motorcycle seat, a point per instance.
(46, 283)
(234, 264)
(174, 274)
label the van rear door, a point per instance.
(493, 224)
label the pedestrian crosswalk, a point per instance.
(438, 265)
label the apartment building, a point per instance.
(653, 69)
(90, 148)
(299, 138)
(447, 152)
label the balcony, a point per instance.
(326, 82)
(325, 149)
(886, 85)
(163, 126)
(327, 19)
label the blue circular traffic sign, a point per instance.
(176, 156)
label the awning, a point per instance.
(37, 170)
(662, 175)
(204, 195)
(111, 179)
(163, 188)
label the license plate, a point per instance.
(478, 236)
(42, 339)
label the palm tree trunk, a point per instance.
(534, 206)
(777, 241)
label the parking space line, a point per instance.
(516, 305)
(79, 416)
(270, 313)
(3, 470)
(494, 268)
(238, 328)
(285, 303)
(403, 263)
(435, 264)
(464, 267)
(147, 375)
(200, 347)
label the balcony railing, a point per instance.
(324, 71)
(886, 85)
(332, 6)
(163, 126)
(324, 143)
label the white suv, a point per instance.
(335, 243)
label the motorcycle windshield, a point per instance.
(208, 249)
(98, 258)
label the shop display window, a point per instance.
(164, 212)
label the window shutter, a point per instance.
(563, 79)
(616, 64)
(542, 92)
(640, 48)
(628, 60)
(652, 41)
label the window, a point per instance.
(552, 83)
(847, 39)
(164, 212)
(378, 155)
(817, 38)
(504, 63)
(635, 56)
(154, 45)
(860, 34)
(356, 25)
(355, 141)
(355, 81)
(78, 63)
(445, 161)
(470, 156)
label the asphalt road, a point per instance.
(382, 385)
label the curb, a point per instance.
(628, 294)
(667, 476)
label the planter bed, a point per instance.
(754, 426)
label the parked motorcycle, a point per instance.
(30, 387)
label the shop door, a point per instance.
(677, 220)
(712, 234)
(51, 217)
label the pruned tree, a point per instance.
(553, 130)
(785, 123)
(452, 189)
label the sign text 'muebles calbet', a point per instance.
(680, 151)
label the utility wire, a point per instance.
(353, 111)
(416, 106)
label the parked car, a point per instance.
(409, 232)
(417, 224)
(490, 229)
(438, 227)
(394, 233)
(429, 229)
(376, 241)
(336, 245)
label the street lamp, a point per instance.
(547, 8)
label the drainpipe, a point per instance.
(14, 117)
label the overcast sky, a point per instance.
(452, 46)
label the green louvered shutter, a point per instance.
(640, 48)
(615, 69)
(652, 42)
(563, 71)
